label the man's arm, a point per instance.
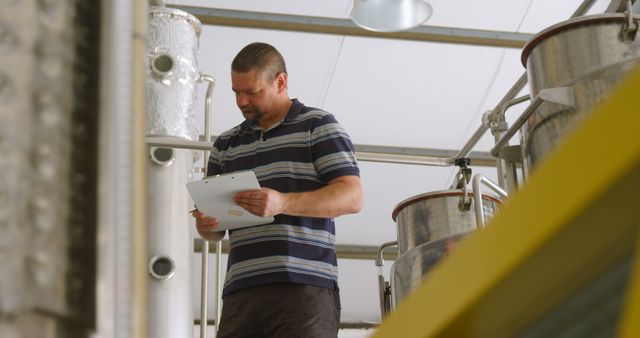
(343, 195)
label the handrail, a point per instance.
(535, 103)
(477, 196)
(382, 284)
(204, 280)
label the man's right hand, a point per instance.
(206, 227)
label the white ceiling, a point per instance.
(385, 92)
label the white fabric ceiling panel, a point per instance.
(411, 94)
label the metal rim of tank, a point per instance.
(179, 14)
(434, 194)
(569, 24)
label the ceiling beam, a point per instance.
(323, 25)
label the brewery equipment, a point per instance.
(571, 67)
(429, 226)
(171, 79)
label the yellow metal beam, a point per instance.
(630, 323)
(576, 215)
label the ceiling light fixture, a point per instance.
(390, 15)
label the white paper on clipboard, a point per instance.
(213, 196)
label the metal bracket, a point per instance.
(559, 95)
(630, 27)
(463, 177)
(511, 153)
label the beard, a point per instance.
(252, 113)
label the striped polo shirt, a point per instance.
(302, 152)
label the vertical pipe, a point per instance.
(205, 245)
(172, 78)
(477, 196)
(477, 202)
(114, 287)
(507, 176)
(218, 283)
(139, 188)
(203, 287)
(382, 285)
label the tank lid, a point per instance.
(435, 194)
(174, 13)
(569, 24)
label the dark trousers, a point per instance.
(281, 311)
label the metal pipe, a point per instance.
(204, 280)
(207, 136)
(466, 149)
(506, 99)
(514, 102)
(381, 281)
(511, 94)
(477, 158)
(584, 7)
(218, 302)
(139, 300)
(121, 308)
(507, 176)
(343, 251)
(477, 196)
(535, 103)
(159, 3)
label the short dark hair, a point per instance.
(262, 57)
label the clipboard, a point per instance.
(213, 196)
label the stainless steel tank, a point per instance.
(410, 269)
(435, 215)
(578, 61)
(171, 79)
(429, 227)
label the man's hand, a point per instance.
(265, 202)
(341, 196)
(206, 227)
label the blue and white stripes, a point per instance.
(302, 153)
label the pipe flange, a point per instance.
(161, 267)
(162, 65)
(163, 157)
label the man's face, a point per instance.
(254, 94)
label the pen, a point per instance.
(191, 211)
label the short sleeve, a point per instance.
(332, 151)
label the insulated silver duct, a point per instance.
(172, 75)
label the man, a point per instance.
(281, 277)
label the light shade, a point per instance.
(390, 15)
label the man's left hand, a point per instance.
(265, 202)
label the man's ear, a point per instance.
(282, 81)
